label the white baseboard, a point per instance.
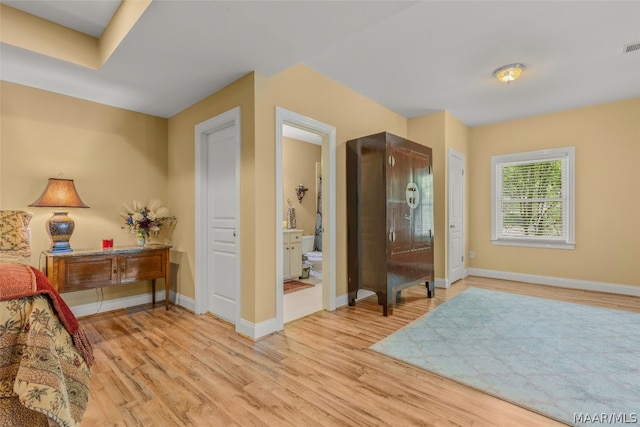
(126, 302)
(343, 300)
(267, 327)
(262, 329)
(586, 285)
(255, 331)
(442, 283)
(181, 300)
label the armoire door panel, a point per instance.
(421, 225)
(389, 217)
(400, 215)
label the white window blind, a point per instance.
(532, 198)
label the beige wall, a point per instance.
(39, 35)
(182, 184)
(297, 89)
(430, 130)
(307, 92)
(442, 131)
(607, 143)
(457, 137)
(29, 32)
(299, 160)
(114, 156)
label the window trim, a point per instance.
(566, 153)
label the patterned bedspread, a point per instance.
(39, 362)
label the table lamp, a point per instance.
(59, 193)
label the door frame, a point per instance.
(227, 119)
(459, 156)
(328, 134)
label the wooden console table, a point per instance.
(97, 268)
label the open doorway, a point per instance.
(319, 231)
(302, 223)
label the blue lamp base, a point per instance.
(60, 227)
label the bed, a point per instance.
(45, 356)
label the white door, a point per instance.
(222, 217)
(456, 212)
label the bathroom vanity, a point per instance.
(389, 217)
(292, 254)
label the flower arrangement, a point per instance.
(143, 221)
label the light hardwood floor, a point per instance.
(173, 368)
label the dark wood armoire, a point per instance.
(389, 217)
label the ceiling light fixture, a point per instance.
(509, 73)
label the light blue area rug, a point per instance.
(567, 361)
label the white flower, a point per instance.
(147, 219)
(127, 209)
(162, 212)
(154, 205)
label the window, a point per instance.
(533, 199)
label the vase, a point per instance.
(141, 239)
(291, 217)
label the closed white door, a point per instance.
(456, 215)
(222, 220)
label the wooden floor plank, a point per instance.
(173, 368)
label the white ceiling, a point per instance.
(412, 57)
(88, 16)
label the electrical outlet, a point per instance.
(472, 254)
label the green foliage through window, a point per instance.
(532, 199)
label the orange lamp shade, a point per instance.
(59, 193)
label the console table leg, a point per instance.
(153, 291)
(166, 293)
(167, 281)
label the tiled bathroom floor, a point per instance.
(303, 302)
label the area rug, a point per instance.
(295, 285)
(574, 363)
